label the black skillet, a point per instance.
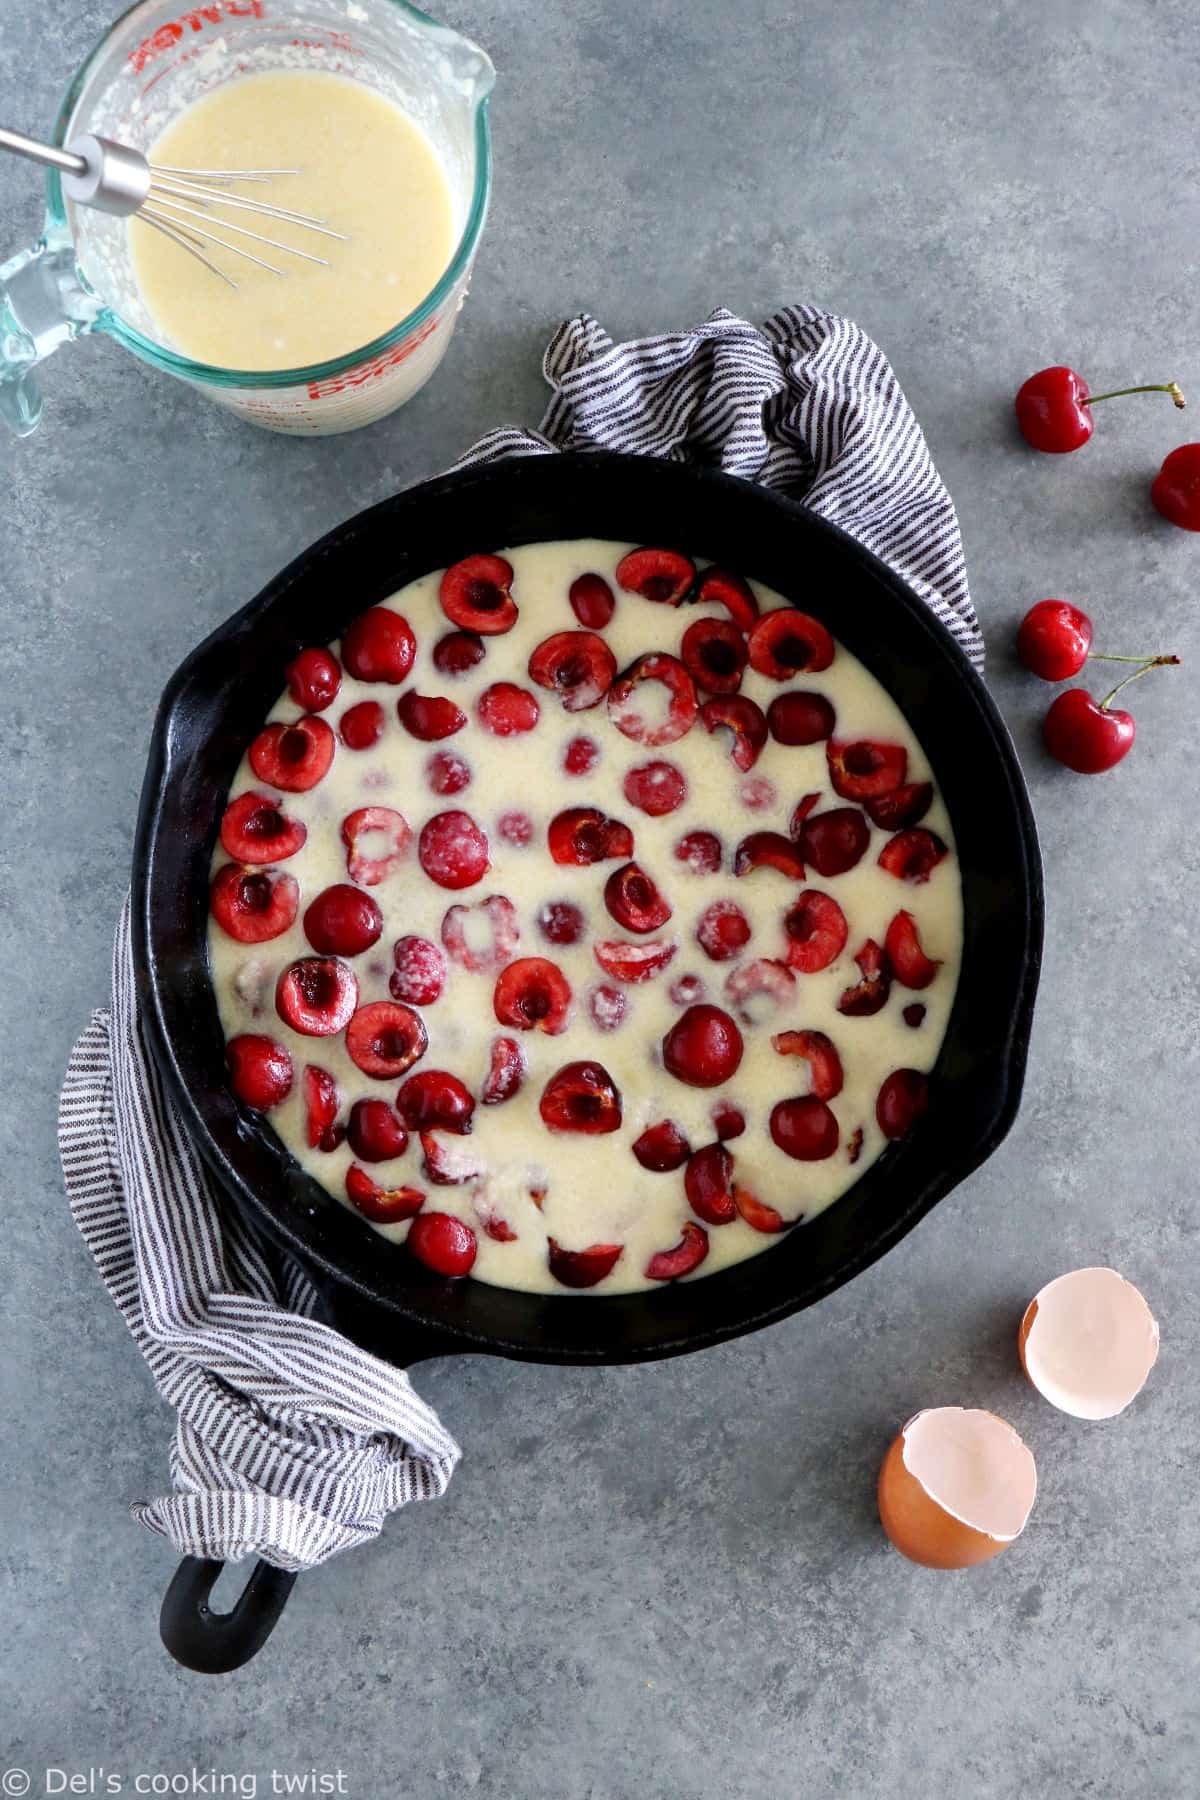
(216, 702)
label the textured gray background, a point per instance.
(669, 1581)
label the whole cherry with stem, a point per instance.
(1054, 407)
(1055, 640)
(1090, 737)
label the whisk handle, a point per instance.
(67, 162)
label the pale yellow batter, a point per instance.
(366, 170)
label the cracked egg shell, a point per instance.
(1088, 1341)
(956, 1487)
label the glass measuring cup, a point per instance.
(159, 57)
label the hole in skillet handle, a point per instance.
(212, 1643)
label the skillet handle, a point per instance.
(212, 1643)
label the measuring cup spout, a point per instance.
(43, 304)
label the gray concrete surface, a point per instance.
(669, 1581)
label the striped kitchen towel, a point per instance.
(291, 1442)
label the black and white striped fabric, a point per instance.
(291, 1442)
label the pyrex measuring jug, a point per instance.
(78, 278)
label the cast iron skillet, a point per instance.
(216, 702)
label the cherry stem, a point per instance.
(1155, 387)
(1152, 662)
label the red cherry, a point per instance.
(686, 1255)
(581, 756)
(722, 930)
(560, 922)
(768, 850)
(607, 1006)
(903, 807)
(253, 905)
(708, 1184)
(1086, 736)
(703, 1047)
(633, 962)
(786, 643)
(816, 932)
(869, 995)
(376, 1133)
(805, 1128)
(316, 996)
(420, 972)
(714, 653)
(385, 1039)
(864, 769)
(578, 666)
(448, 1162)
(253, 830)
(443, 1243)
(481, 937)
(516, 828)
(475, 595)
(383, 1206)
(662, 1147)
(342, 921)
(1176, 488)
(731, 592)
(914, 1016)
(447, 773)
(533, 994)
(506, 1071)
(313, 679)
(635, 713)
(376, 840)
(901, 1101)
(757, 1214)
(660, 575)
(634, 899)
(699, 852)
(432, 1099)
(429, 716)
(1054, 639)
(453, 851)
(362, 725)
(582, 835)
(379, 646)
(582, 1268)
(507, 710)
(260, 1070)
(655, 788)
(834, 841)
(910, 965)
(685, 990)
(913, 855)
(581, 1097)
(728, 1121)
(457, 652)
(759, 988)
(745, 723)
(592, 601)
(825, 1073)
(321, 1104)
(757, 794)
(1054, 407)
(799, 718)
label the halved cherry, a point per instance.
(854, 1146)
(902, 807)
(629, 705)
(583, 1097)
(483, 936)
(253, 905)
(420, 972)
(506, 1072)
(582, 1268)
(507, 710)
(745, 723)
(708, 1184)
(757, 794)
(805, 1128)
(714, 653)
(342, 921)
(660, 575)
(447, 773)
(910, 965)
(592, 601)
(429, 717)
(457, 652)
(683, 1257)
(864, 769)
(313, 679)
(834, 841)
(686, 990)
(578, 666)
(722, 930)
(800, 718)
(260, 1070)
(914, 1016)
(533, 994)
(757, 1214)
(476, 595)
(870, 994)
(383, 1206)
(316, 995)
(816, 932)
(583, 835)
(759, 988)
(379, 646)
(699, 851)
(662, 1147)
(655, 788)
(731, 592)
(453, 851)
(901, 1101)
(633, 962)
(912, 855)
(703, 1048)
(729, 1121)
(376, 1131)
(376, 840)
(362, 726)
(825, 1075)
(634, 900)
(768, 850)
(433, 1098)
(293, 757)
(495, 1226)
(786, 643)
(443, 1243)
(321, 1104)
(560, 922)
(253, 830)
(386, 1038)
(607, 1006)
(449, 1163)
(516, 828)
(581, 756)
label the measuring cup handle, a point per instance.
(42, 304)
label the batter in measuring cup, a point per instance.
(366, 170)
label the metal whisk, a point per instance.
(180, 203)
